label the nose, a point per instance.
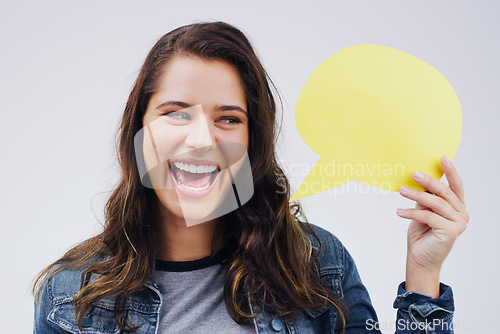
(200, 135)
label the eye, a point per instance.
(180, 115)
(229, 120)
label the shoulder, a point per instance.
(53, 309)
(63, 285)
(62, 282)
(332, 253)
(56, 310)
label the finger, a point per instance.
(425, 217)
(436, 187)
(454, 180)
(433, 220)
(435, 203)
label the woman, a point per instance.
(195, 242)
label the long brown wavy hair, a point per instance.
(272, 256)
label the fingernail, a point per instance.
(418, 175)
(403, 189)
(446, 160)
(400, 211)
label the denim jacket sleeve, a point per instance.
(40, 324)
(416, 312)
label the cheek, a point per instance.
(245, 139)
(242, 139)
(148, 150)
(233, 146)
(162, 143)
(239, 136)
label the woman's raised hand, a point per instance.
(438, 218)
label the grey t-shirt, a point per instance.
(193, 300)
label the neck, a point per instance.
(178, 242)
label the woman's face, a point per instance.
(195, 127)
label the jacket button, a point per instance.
(277, 324)
(87, 322)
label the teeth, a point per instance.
(192, 188)
(195, 168)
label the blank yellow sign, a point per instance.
(375, 114)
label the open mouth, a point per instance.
(193, 177)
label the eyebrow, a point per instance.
(187, 105)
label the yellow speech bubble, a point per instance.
(375, 114)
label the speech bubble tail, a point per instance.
(298, 195)
(317, 181)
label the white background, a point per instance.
(66, 70)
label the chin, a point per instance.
(193, 212)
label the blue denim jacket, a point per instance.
(417, 313)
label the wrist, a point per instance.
(422, 280)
